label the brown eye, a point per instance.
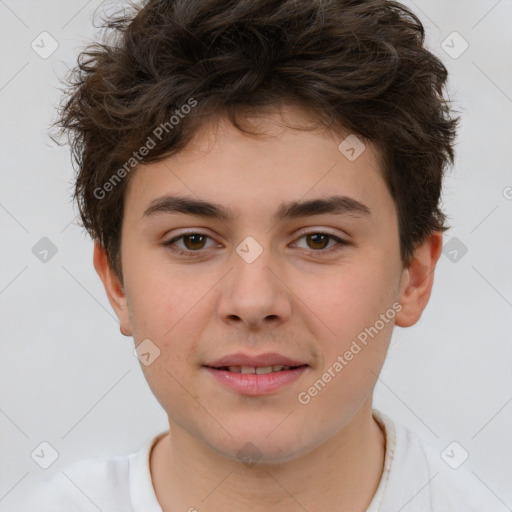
(196, 241)
(189, 244)
(318, 240)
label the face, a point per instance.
(269, 276)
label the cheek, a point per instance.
(162, 299)
(170, 312)
(348, 300)
(360, 317)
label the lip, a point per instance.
(266, 359)
(256, 384)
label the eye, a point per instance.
(193, 241)
(318, 241)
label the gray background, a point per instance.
(69, 378)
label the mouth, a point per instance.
(258, 370)
(255, 376)
(266, 360)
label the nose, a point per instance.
(254, 293)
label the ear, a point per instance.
(417, 280)
(113, 287)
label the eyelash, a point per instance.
(191, 254)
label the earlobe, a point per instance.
(418, 279)
(113, 288)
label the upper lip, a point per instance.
(266, 359)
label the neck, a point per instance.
(342, 474)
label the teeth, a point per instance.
(260, 370)
(280, 367)
(263, 369)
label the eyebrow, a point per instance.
(338, 205)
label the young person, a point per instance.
(262, 181)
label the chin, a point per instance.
(254, 446)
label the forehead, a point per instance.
(225, 173)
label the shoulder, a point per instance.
(87, 485)
(420, 480)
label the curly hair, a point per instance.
(360, 65)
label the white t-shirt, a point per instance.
(415, 479)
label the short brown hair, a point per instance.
(359, 64)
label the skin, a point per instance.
(295, 299)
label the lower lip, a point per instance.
(256, 384)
